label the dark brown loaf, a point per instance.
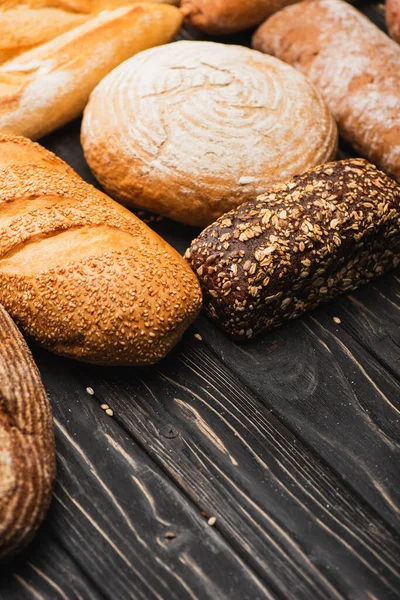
(302, 243)
(355, 66)
(80, 273)
(27, 459)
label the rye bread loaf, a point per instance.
(353, 63)
(80, 273)
(303, 243)
(27, 456)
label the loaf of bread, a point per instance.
(393, 18)
(303, 243)
(23, 29)
(355, 66)
(27, 457)
(48, 86)
(193, 129)
(228, 16)
(81, 274)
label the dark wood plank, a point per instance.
(114, 511)
(279, 505)
(332, 393)
(46, 571)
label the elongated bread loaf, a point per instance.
(81, 274)
(193, 129)
(302, 243)
(45, 88)
(77, 6)
(27, 457)
(393, 18)
(355, 66)
(228, 16)
(22, 29)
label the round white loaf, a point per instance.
(191, 130)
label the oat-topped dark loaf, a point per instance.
(300, 244)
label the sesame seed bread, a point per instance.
(229, 16)
(192, 129)
(302, 243)
(81, 274)
(393, 18)
(48, 86)
(27, 456)
(354, 65)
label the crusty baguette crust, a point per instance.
(301, 244)
(80, 273)
(79, 6)
(27, 456)
(229, 16)
(45, 88)
(193, 129)
(393, 18)
(355, 66)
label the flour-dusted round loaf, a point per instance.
(228, 16)
(393, 18)
(354, 65)
(193, 129)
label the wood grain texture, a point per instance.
(114, 510)
(27, 460)
(303, 529)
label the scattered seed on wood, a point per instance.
(212, 521)
(170, 535)
(104, 406)
(198, 337)
(337, 320)
(109, 412)
(90, 391)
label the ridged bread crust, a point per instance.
(301, 244)
(192, 129)
(81, 274)
(27, 455)
(354, 65)
(393, 18)
(229, 16)
(49, 86)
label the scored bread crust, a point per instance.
(27, 455)
(193, 129)
(81, 274)
(354, 65)
(49, 86)
(229, 16)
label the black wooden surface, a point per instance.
(292, 442)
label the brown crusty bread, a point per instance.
(48, 86)
(393, 18)
(27, 456)
(229, 16)
(81, 274)
(354, 65)
(192, 129)
(303, 243)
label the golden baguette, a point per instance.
(48, 86)
(79, 6)
(27, 457)
(81, 274)
(23, 29)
